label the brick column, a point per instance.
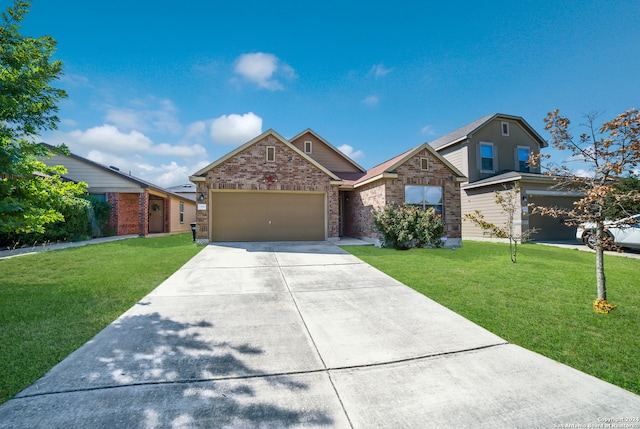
(143, 207)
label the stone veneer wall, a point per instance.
(249, 170)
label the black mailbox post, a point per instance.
(193, 230)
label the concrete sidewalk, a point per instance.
(305, 335)
(46, 247)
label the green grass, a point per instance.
(53, 302)
(543, 303)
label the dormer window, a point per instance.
(504, 126)
(308, 147)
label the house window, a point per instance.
(424, 197)
(181, 212)
(487, 158)
(523, 159)
(505, 128)
(271, 154)
(308, 147)
(424, 164)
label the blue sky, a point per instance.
(161, 89)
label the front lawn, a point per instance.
(53, 302)
(542, 303)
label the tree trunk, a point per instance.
(600, 277)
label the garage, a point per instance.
(550, 228)
(267, 216)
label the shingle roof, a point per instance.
(391, 165)
(466, 131)
(117, 172)
(509, 176)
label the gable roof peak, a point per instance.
(466, 131)
(270, 132)
(330, 146)
(391, 165)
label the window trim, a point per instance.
(493, 157)
(424, 164)
(424, 198)
(502, 128)
(517, 165)
(181, 211)
(310, 143)
(270, 150)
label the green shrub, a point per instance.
(75, 226)
(85, 217)
(403, 227)
(99, 216)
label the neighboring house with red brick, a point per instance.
(274, 189)
(493, 153)
(137, 207)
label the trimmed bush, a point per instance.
(404, 227)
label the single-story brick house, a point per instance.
(137, 206)
(274, 189)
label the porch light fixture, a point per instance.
(201, 197)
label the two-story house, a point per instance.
(493, 153)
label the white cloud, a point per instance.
(583, 173)
(164, 175)
(348, 150)
(371, 100)
(125, 118)
(261, 68)
(235, 129)
(428, 130)
(192, 151)
(171, 174)
(110, 138)
(379, 71)
(75, 80)
(149, 115)
(68, 122)
(196, 129)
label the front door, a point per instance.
(156, 215)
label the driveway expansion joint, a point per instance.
(325, 370)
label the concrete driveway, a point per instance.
(305, 335)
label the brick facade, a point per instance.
(357, 216)
(359, 203)
(249, 170)
(129, 213)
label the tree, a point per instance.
(611, 153)
(31, 193)
(621, 208)
(509, 201)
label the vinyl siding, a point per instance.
(458, 157)
(324, 155)
(505, 148)
(98, 179)
(485, 201)
(189, 215)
